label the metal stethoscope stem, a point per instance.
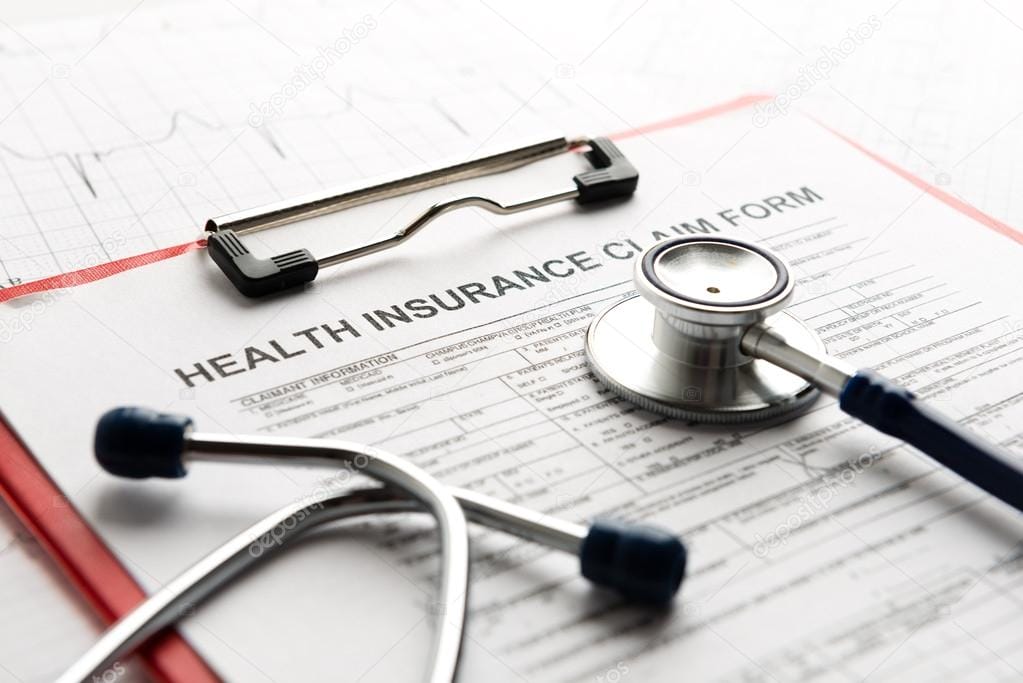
(721, 349)
(828, 374)
(147, 444)
(642, 563)
(203, 579)
(512, 519)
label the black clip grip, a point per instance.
(612, 176)
(255, 276)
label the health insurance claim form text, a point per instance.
(818, 548)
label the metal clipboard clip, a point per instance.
(611, 176)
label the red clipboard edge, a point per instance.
(84, 559)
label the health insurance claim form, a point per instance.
(819, 549)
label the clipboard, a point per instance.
(82, 556)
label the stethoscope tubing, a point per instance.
(203, 579)
(642, 563)
(416, 482)
(139, 443)
(282, 527)
(894, 410)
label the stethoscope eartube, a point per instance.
(644, 564)
(895, 411)
(706, 340)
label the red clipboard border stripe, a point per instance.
(105, 270)
(947, 198)
(83, 556)
(84, 559)
(99, 272)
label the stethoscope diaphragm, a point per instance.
(675, 348)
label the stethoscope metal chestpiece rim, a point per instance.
(713, 281)
(676, 348)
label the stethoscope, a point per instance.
(642, 563)
(707, 340)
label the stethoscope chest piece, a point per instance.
(676, 347)
(706, 340)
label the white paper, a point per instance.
(819, 549)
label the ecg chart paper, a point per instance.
(818, 549)
(122, 134)
(120, 138)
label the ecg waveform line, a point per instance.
(77, 160)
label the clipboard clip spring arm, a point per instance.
(612, 176)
